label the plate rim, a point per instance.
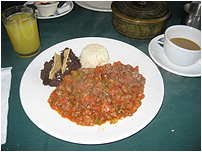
(80, 3)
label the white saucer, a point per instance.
(158, 55)
(58, 13)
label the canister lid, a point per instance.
(141, 11)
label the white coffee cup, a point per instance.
(176, 54)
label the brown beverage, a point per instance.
(185, 43)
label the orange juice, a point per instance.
(23, 32)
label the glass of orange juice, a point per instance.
(21, 25)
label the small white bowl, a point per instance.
(46, 8)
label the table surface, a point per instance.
(177, 126)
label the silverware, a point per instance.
(161, 41)
(61, 3)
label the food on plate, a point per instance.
(94, 55)
(92, 96)
(56, 66)
(59, 66)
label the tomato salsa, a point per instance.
(92, 96)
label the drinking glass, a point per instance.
(21, 25)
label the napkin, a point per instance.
(64, 8)
(5, 91)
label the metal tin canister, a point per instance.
(192, 15)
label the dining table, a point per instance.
(175, 127)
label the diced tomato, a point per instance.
(117, 63)
(83, 97)
(131, 102)
(90, 99)
(111, 91)
(54, 107)
(119, 84)
(88, 76)
(95, 107)
(106, 107)
(65, 93)
(97, 70)
(84, 86)
(117, 88)
(137, 68)
(141, 96)
(105, 79)
(53, 95)
(64, 100)
(129, 79)
(136, 103)
(135, 89)
(65, 115)
(70, 109)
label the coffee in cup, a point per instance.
(182, 45)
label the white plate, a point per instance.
(158, 55)
(102, 6)
(57, 13)
(34, 95)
